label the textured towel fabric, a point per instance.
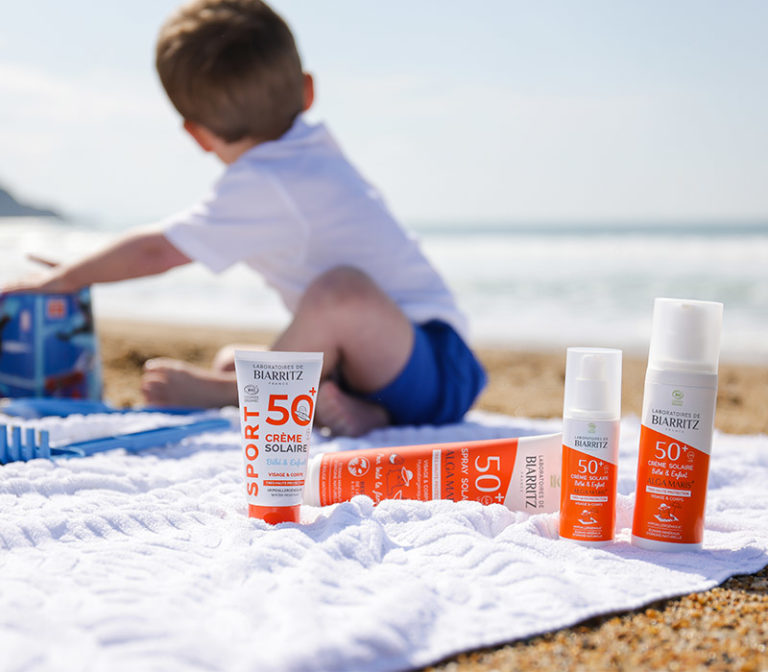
(148, 562)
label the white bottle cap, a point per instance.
(685, 335)
(593, 383)
(311, 493)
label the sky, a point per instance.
(496, 110)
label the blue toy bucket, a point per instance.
(48, 346)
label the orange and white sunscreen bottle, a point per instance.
(521, 473)
(591, 418)
(677, 425)
(277, 392)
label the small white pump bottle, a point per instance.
(591, 417)
(677, 425)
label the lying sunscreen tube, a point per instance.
(277, 393)
(521, 473)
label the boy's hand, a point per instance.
(45, 281)
(40, 281)
(134, 256)
(49, 280)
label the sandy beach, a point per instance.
(722, 629)
(521, 383)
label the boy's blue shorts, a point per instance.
(439, 382)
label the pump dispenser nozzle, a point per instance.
(593, 382)
(686, 335)
(591, 392)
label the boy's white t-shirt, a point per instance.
(294, 208)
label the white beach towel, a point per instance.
(148, 561)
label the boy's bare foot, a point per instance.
(346, 415)
(171, 382)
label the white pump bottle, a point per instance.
(677, 425)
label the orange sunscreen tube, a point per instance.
(591, 419)
(277, 393)
(677, 425)
(521, 473)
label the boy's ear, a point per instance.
(201, 135)
(309, 91)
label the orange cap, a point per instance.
(275, 514)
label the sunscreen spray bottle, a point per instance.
(591, 417)
(677, 424)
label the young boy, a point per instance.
(290, 206)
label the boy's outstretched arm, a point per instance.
(134, 256)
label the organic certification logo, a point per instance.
(251, 392)
(677, 397)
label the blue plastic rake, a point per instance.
(24, 444)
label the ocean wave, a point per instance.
(519, 291)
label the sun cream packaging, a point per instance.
(48, 346)
(277, 393)
(521, 473)
(677, 425)
(591, 419)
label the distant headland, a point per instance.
(10, 207)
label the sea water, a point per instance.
(544, 286)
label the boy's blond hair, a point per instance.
(233, 67)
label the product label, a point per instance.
(535, 483)
(513, 472)
(277, 406)
(589, 468)
(673, 464)
(441, 472)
